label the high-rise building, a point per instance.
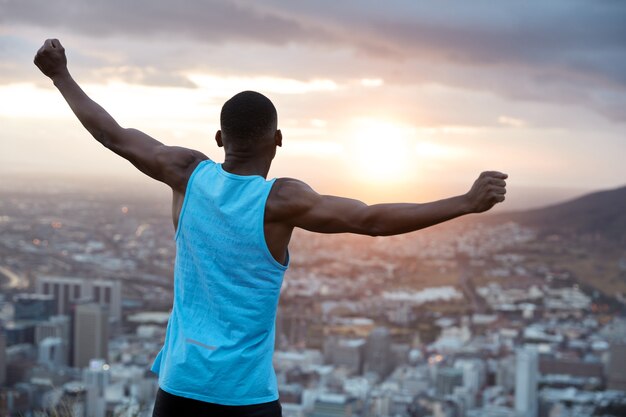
(96, 378)
(447, 380)
(17, 332)
(615, 332)
(91, 334)
(526, 379)
(345, 352)
(64, 289)
(52, 352)
(33, 306)
(56, 327)
(505, 373)
(616, 370)
(378, 355)
(109, 293)
(67, 290)
(474, 378)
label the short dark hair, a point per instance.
(247, 116)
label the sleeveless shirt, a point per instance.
(219, 340)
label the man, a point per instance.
(232, 230)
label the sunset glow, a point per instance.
(381, 151)
(414, 96)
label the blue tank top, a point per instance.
(219, 340)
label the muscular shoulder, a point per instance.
(289, 198)
(178, 157)
(177, 164)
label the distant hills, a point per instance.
(601, 213)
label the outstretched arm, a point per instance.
(297, 205)
(168, 164)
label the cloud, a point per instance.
(564, 51)
(143, 75)
(204, 20)
(511, 121)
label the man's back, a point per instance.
(220, 335)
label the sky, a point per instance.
(381, 101)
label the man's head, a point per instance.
(248, 123)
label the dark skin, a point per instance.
(291, 203)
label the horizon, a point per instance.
(374, 104)
(523, 198)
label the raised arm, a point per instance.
(169, 164)
(295, 204)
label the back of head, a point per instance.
(247, 120)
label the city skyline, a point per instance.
(404, 102)
(442, 319)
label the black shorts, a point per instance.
(169, 405)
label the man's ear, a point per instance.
(218, 138)
(278, 138)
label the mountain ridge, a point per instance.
(600, 213)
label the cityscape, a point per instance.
(515, 312)
(469, 319)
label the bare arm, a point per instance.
(169, 164)
(297, 205)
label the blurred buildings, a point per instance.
(91, 334)
(526, 381)
(459, 322)
(66, 290)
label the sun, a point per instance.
(380, 151)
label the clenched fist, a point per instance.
(50, 58)
(487, 191)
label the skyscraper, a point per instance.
(526, 378)
(616, 369)
(52, 352)
(91, 334)
(345, 352)
(378, 355)
(64, 289)
(67, 290)
(33, 306)
(616, 366)
(109, 293)
(474, 376)
(56, 327)
(96, 379)
(447, 380)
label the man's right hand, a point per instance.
(169, 164)
(487, 191)
(50, 58)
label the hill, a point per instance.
(601, 214)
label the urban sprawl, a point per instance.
(461, 320)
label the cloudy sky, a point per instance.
(377, 100)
